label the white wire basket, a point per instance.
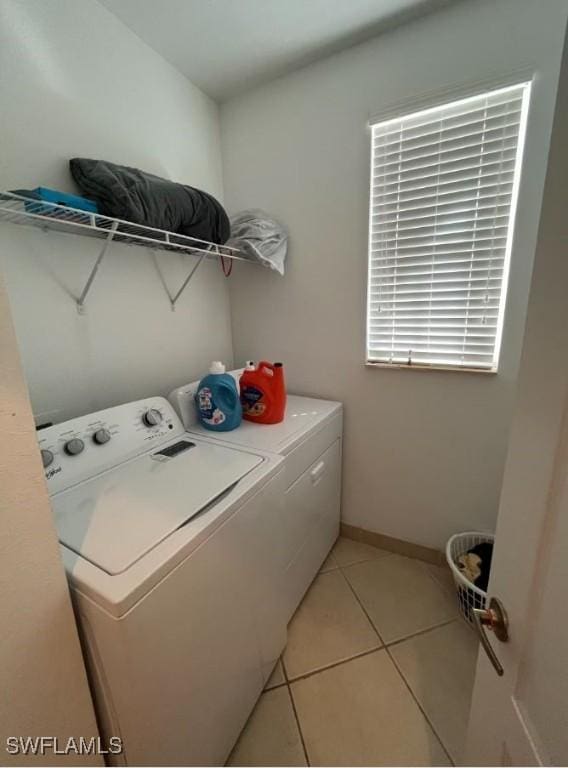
(469, 596)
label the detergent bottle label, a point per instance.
(251, 400)
(210, 414)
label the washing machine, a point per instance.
(309, 439)
(173, 546)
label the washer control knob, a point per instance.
(74, 446)
(46, 457)
(152, 418)
(101, 436)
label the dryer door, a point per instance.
(312, 522)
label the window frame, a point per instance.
(433, 101)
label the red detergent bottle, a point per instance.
(263, 393)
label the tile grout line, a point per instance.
(419, 632)
(294, 710)
(273, 687)
(356, 596)
(387, 649)
(444, 587)
(334, 664)
(342, 568)
(297, 717)
(382, 646)
(382, 554)
(420, 707)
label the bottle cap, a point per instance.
(217, 367)
(250, 365)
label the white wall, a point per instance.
(76, 82)
(43, 683)
(424, 451)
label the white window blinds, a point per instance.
(443, 190)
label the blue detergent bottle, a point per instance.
(217, 400)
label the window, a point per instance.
(444, 183)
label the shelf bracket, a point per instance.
(174, 299)
(87, 288)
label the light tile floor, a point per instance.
(378, 670)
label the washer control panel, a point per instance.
(81, 448)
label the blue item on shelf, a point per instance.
(63, 199)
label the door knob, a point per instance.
(494, 618)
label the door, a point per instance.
(521, 717)
(43, 684)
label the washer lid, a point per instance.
(118, 516)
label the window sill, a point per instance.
(432, 368)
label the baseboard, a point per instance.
(398, 546)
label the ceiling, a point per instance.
(228, 46)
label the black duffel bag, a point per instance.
(142, 198)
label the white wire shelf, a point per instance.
(17, 209)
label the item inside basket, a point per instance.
(475, 564)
